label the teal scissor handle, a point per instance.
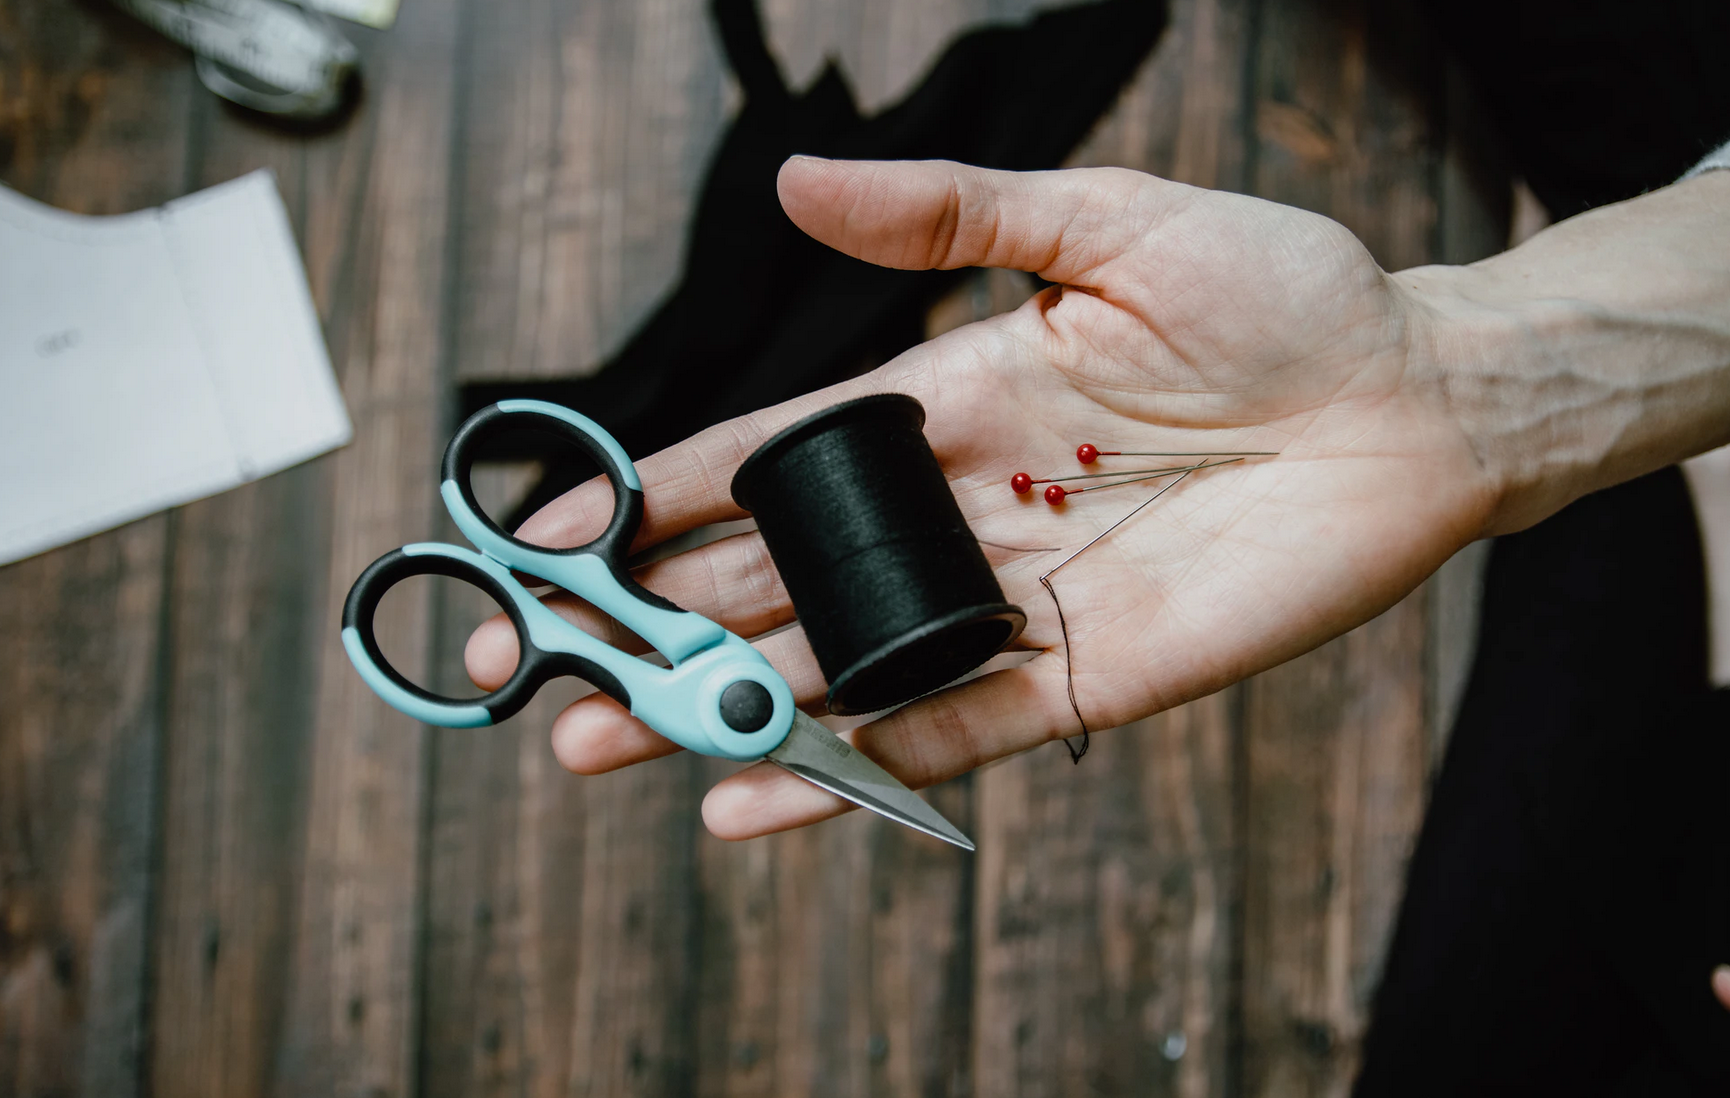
(719, 697)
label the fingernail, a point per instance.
(1721, 983)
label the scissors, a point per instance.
(719, 697)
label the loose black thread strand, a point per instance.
(1022, 548)
(1075, 753)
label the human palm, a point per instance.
(1181, 320)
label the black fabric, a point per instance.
(1570, 893)
(1600, 100)
(763, 312)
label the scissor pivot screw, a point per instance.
(746, 706)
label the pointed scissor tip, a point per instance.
(825, 760)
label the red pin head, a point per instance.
(1087, 453)
(1054, 494)
(1022, 483)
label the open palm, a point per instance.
(1181, 320)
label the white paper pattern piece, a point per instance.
(152, 358)
(1709, 480)
(372, 13)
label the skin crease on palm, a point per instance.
(1181, 319)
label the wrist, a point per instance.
(1597, 351)
(1503, 368)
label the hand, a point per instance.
(1183, 319)
(1721, 984)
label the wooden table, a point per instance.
(227, 870)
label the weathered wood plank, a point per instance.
(248, 595)
(86, 103)
(561, 912)
(1347, 121)
(561, 918)
(760, 990)
(378, 209)
(838, 961)
(1337, 773)
(884, 49)
(1107, 923)
(589, 129)
(583, 934)
(1104, 924)
(248, 590)
(1184, 116)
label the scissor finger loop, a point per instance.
(595, 570)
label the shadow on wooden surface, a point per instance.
(226, 869)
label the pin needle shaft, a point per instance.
(1119, 473)
(1182, 454)
(1152, 474)
(1126, 518)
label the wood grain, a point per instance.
(883, 49)
(1104, 922)
(86, 103)
(836, 960)
(227, 869)
(1337, 773)
(352, 1009)
(79, 739)
(1337, 742)
(240, 676)
(273, 832)
(840, 962)
(588, 128)
(1107, 925)
(562, 927)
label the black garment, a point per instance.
(763, 312)
(1570, 893)
(1600, 100)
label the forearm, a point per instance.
(1594, 352)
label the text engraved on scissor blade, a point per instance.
(835, 744)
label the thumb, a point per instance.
(923, 214)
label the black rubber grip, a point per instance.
(534, 666)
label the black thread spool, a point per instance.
(891, 586)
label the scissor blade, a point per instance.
(824, 759)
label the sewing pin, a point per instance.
(1055, 494)
(1023, 483)
(1087, 453)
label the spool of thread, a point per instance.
(893, 591)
